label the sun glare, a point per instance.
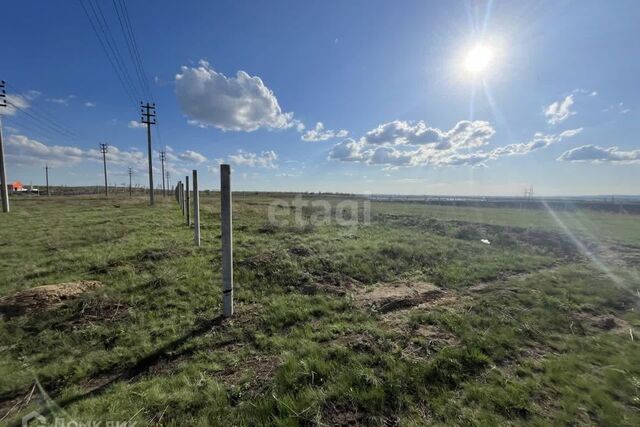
(478, 59)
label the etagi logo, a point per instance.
(36, 419)
(349, 212)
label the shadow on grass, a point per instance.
(106, 378)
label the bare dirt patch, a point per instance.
(426, 340)
(45, 297)
(250, 376)
(343, 414)
(501, 283)
(360, 342)
(98, 310)
(583, 322)
(386, 297)
(302, 251)
(332, 283)
(260, 260)
(143, 261)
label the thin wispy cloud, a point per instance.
(559, 111)
(134, 124)
(265, 159)
(61, 101)
(319, 133)
(595, 154)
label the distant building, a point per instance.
(16, 187)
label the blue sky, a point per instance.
(555, 107)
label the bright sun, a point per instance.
(478, 59)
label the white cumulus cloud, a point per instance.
(401, 143)
(23, 150)
(464, 133)
(192, 156)
(240, 103)
(266, 159)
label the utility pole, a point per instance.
(103, 149)
(163, 157)
(46, 175)
(3, 171)
(149, 118)
(130, 173)
(168, 185)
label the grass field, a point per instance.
(407, 320)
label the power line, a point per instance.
(132, 98)
(19, 123)
(111, 42)
(43, 124)
(129, 40)
(40, 112)
(43, 127)
(125, 11)
(144, 76)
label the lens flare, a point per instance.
(478, 59)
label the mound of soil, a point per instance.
(385, 297)
(605, 322)
(260, 260)
(332, 283)
(44, 297)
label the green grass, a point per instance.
(524, 347)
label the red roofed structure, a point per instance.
(16, 186)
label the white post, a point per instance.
(196, 209)
(186, 200)
(3, 176)
(227, 240)
(182, 197)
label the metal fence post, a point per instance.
(227, 240)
